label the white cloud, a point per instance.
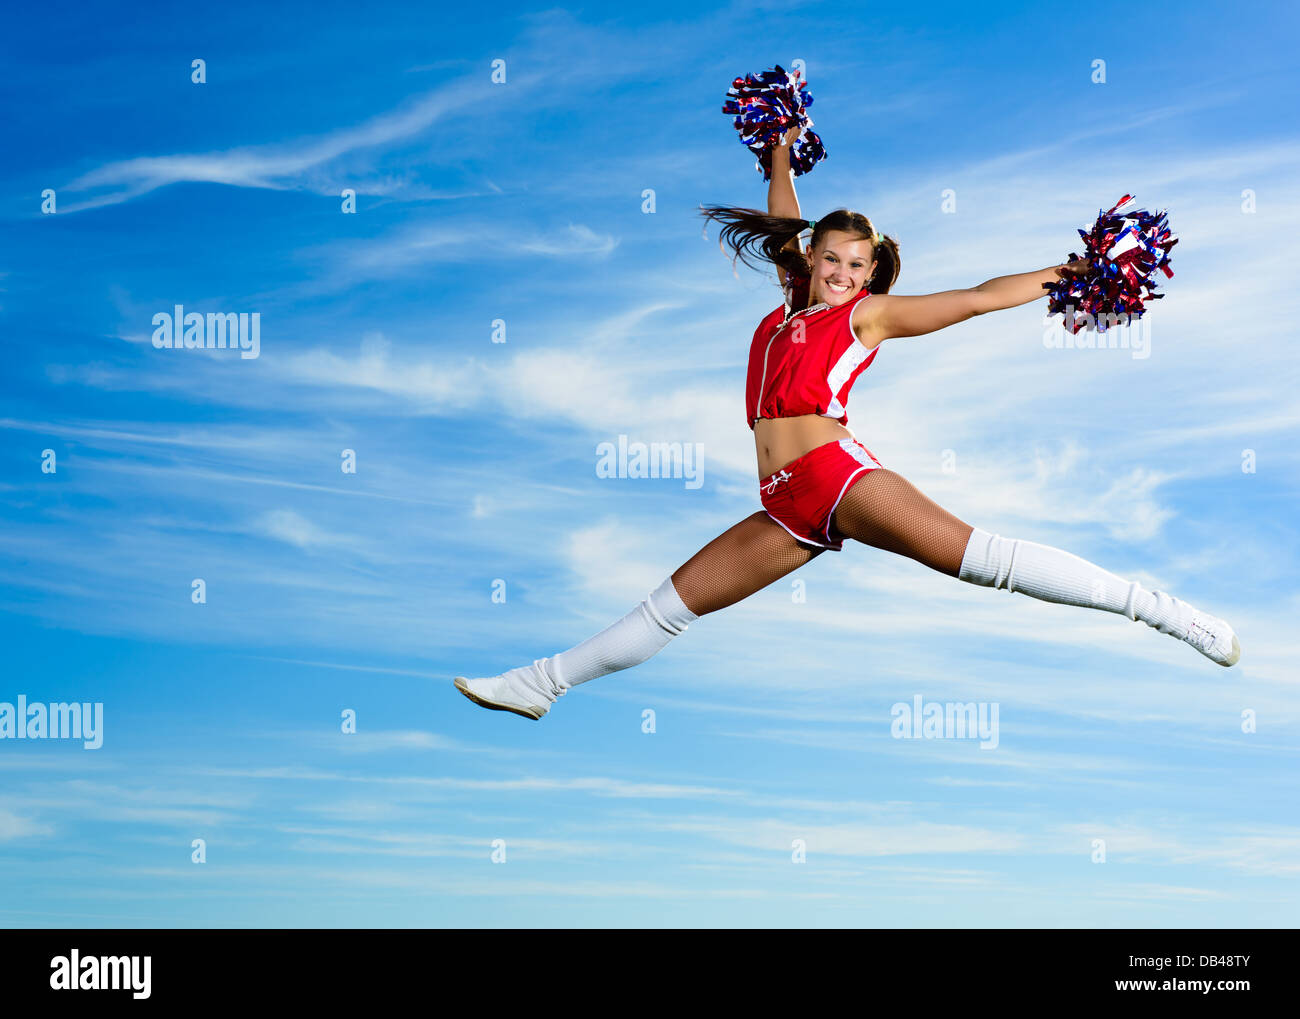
(897, 837)
(288, 526)
(13, 827)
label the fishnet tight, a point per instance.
(744, 559)
(885, 510)
(881, 509)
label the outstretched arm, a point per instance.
(781, 199)
(886, 315)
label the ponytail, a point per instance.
(751, 234)
(888, 265)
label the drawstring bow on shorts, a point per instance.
(776, 479)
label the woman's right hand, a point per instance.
(791, 134)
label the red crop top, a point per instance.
(805, 363)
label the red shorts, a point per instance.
(803, 494)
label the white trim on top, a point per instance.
(848, 362)
(762, 385)
(840, 373)
(852, 335)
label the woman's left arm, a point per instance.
(781, 198)
(884, 316)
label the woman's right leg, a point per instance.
(744, 559)
(885, 510)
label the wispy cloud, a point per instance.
(271, 166)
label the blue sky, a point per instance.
(522, 202)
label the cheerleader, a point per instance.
(818, 484)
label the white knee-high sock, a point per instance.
(1051, 574)
(640, 634)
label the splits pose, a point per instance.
(819, 484)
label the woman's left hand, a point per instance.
(1076, 268)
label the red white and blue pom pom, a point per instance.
(1125, 249)
(765, 107)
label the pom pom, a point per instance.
(1125, 249)
(765, 107)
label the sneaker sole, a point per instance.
(524, 712)
(1236, 652)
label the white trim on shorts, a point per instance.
(799, 537)
(851, 447)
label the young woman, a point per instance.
(819, 485)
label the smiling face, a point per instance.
(840, 266)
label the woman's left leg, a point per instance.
(885, 510)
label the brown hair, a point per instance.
(755, 235)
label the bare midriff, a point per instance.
(781, 441)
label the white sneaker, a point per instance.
(526, 691)
(1213, 637)
(1210, 635)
